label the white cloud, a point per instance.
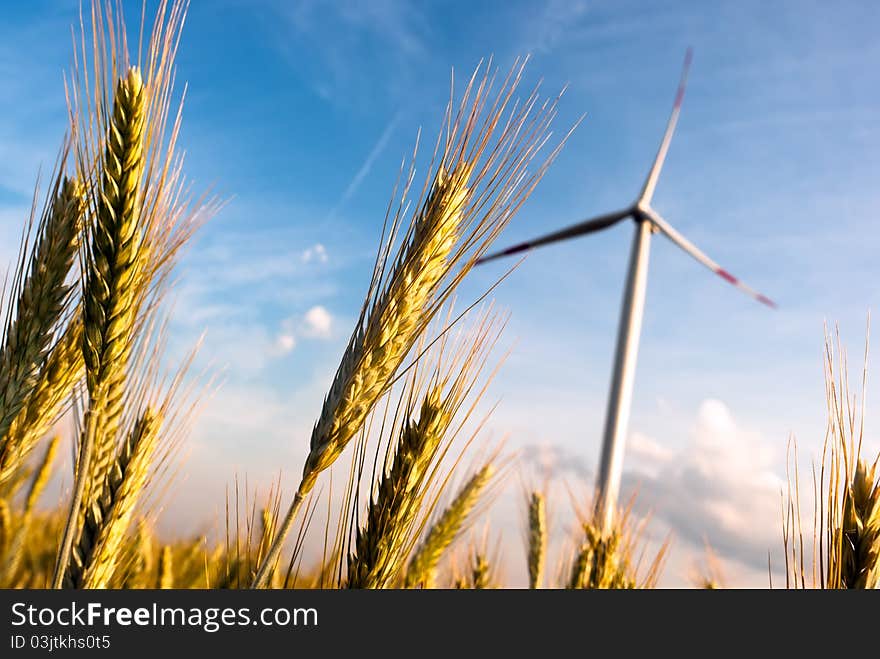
(233, 287)
(647, 452)
(316, 253)
(721, 487)
(317, 323)
(284, 343)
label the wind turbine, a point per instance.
(647, 221)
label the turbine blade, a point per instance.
(580, 229)
(651, 182)
(692, 249)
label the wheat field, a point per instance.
(85, 326)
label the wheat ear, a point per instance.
(423, 565)
(583, 560)
(451, 229)
(375, 352)
(110, 297)
(393, 325)
(600, 563)
(57, 379)
(96, 554)
(41, 300)
(859, 539)
(480, 579)
(537, 539)
(378, 546)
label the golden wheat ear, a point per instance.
(58, 378)
(477, 181)
(480, 572)
(379, 545)
(140, 213)
(40, 298)
(110, 294)
(422, 567)
(115, 263)
(537, 539)
(619, 558)
(600, 563)
(95, 556)
(866, 504)
(410, 472)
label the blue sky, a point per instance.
(300, 112)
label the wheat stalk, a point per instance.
(96, 554)
(470, 196)
(41, 300)
(141, 215)
(423, 564)
(537, 539)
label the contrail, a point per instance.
(367, 165)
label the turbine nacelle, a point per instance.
(639, 212)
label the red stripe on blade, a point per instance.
(679, 97)
(688, 57)
(727, 276)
